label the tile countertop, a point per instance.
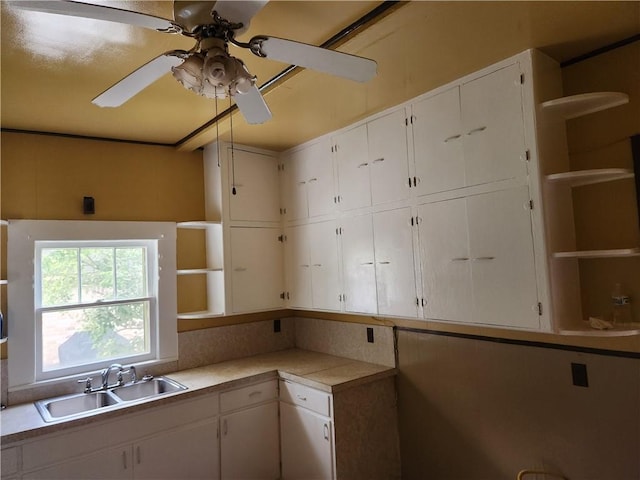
(317, 370)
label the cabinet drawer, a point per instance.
(9, 461)
(319, 402)
(246, 396)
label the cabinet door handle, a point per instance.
(317, 264)
(240, 269)
(312, 180)
(300, 397)
(478, 259)
(224, 426)
(378, 160)
(305, 265)
(138, 456)
(302, 182)
(477, 130)
(124, 460)
(367, 263)
(257, 392)
(363, 165)
(326, 432)
(460, 259)
(384, 263)
(452, 137)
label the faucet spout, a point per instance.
(106, 373)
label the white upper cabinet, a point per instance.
(446, 269)
(254, 176)
(257, 263)
(307, 184)
(325, 266)
(388, 158)
(393, 245)
(352, 161)
(477, 260)
(358, 265)
(437, 143)
(470, 134)
(493, 126)
(298, 267)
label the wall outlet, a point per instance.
(369, 334)
(276, 326)
(579, 375)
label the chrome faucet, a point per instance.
(105, 376)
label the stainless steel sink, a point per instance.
(149, 388)
(86, 404)
(74, 405)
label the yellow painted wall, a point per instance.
(46, 177)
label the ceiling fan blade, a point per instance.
(97, 12)
(253, 107)
(321, 59)
(239, 11)
(137, 81)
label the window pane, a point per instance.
(59, 276)
(87, 335)
(96, 266)
(131, 272)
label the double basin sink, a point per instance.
(86, 404)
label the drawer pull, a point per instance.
(326, 432)
(478, 259)
(257, 392)
(300, 397)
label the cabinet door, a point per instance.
(353, 168)
(445, 261)
(493, 127)
(307, 444)
(503, 267)
(388, 158)
(255, 178)
(257, 268)
(358, 265)
(189, 453)
(249, 444)
(319, 179)
(294, 187)
(298, 267)
(437, 143)
(325, 265)
(395, 279)
(110, 464)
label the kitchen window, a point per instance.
(83, 295)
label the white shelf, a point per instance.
(621, 252)
(584, 104)
(589, 177)
(621, 330)
(197, 271)
(197, 224)
(198, 315)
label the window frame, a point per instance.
(151, 297)
(22, 315)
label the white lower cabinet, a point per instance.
(307, 433)
(249, 439)
(176, 441)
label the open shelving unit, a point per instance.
(563, 255)
(213, 270)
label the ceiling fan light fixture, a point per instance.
(189, 73)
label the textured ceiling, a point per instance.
(52, 66)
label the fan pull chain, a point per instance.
(233, 161)
(217, 132)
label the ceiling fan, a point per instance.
(208, 69)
